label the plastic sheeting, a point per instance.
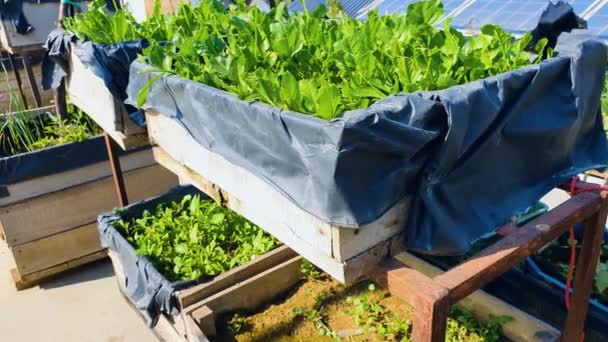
(108, 62)
(150, 292)
(473, 154)
(53, 160)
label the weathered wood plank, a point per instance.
(59, 181)
(109, 113)
(194, 294)
(76, 206)
(348, 242)
(24, 282)
(248, 294)
(56, 249)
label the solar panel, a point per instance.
(598, 23)
(512, 15)
(400, 6)
(351, 7)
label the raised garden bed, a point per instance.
(184, 306)
(320, 308)
(333, 178)
(94, 73)
(50, 199)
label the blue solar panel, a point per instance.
(513, 15)
(400, 6)
(351, 7)
(598, 23)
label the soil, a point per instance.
(277, 322)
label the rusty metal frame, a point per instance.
(432, 297)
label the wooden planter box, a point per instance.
(344, 253)
(245, 287)
(49, 219)
(89, 93)
(42, 16)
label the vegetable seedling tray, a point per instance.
(50, 198)
(242, 288)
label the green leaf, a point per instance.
(601, 277)
(142, 95)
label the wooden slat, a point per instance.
(56, 249)
(194, 294)
(348, 242)
(248, 294)
(59, 181)
(24, 282)
(514, 248)
(63, 210)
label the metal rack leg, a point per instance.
(32, 79)
(119, 183)
(585, 273)
(13, 63)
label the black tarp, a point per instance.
(144, 285)
(471, 155)
(110, 62)
(53, 160)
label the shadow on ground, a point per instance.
(89, 272)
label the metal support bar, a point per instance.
(585, 274)
(25, 57)
(13, 63)
(432, 297)
(119, 183)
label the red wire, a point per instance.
(572, 262)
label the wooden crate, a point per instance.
(243, 288)
(89, 93)
(42, 16)
(49, 222)
(344, 253)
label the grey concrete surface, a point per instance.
(81, 305)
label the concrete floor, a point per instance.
(80, 305)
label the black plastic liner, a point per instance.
(542, 299)
(472, 155)
(53, 160)
(108, 62)
(149, 291)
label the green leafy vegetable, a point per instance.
(193, 238)
(320, 62)
(22, 132)
(310, 64)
